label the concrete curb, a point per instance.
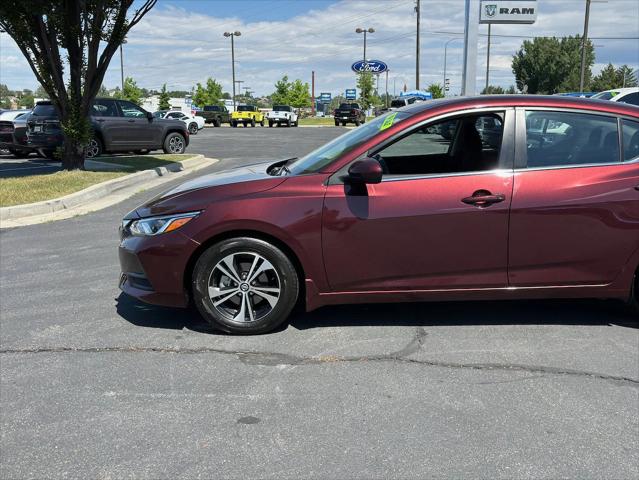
(49, 210)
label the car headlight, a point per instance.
(157, 225)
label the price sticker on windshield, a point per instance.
(388, 122)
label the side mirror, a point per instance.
(365, 171)
(149, 116)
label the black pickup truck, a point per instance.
(215, 114)
(349, 113)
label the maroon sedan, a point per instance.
(505, 197)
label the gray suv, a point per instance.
(118, 126)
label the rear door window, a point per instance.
(104, 108)
(562, 139)
(630, 140)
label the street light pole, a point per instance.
(445, 59)
(584, 41)
(417, 11)
(488, 60)
(364, 31)
(232, 35)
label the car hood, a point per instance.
(199, 193)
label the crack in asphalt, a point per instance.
(249, 357)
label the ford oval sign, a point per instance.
(372, 66)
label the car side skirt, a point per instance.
(315, 299)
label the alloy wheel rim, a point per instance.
(176, 145)
(193, 129)
(93, 148)
(244, 287)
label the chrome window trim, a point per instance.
(497, 171)
(403, 178)
(520, 114)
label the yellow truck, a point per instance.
(247, 115)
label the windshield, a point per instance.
(325, 155)
(44, 110)
(245, 108)
(281, 108)
(605, 95)
(212, 108)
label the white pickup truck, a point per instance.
(282, 115)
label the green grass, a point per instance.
(143, 162)
(35, 188)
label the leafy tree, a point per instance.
(281, 94)
(550, 65)
(26, 100)
(210, 94)
(365, 84)
(436, 89)
(611, 77)
(103, 92)
(68, 45)
(131, 92)
(299, 95)
(5, 93)
(165, 98)
(226, 96)
(493, 90)
(511, 90)
(335, 102)
(41, 92)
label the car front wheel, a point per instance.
(94, 148)
(193, 128)
(174, 143)
(244, 285)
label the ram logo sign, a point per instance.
(372, 66)
(512, 11)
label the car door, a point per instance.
(575, 211)
(139, 131)
(107, 120)
(438, 219)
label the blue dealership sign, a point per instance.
(325, 97)
(351, 94)
(372, 66)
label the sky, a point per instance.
(181, 42)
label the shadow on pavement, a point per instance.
(547, 312)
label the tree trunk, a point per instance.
(73, 154)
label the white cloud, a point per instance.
(181, 48)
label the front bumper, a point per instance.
(153, 268)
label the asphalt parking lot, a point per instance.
(97, 385)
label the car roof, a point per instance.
(622, 90)
(551, 101)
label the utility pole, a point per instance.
(121, 69)
(313, 93)
(488, 60)
(386, 98)
(232, 35)
(417, 11)
(584, 41)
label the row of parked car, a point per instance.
(280, 115)
(118, 126)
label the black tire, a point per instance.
(245, 124)
(174, 143)
(336, 123)
(193, 128)
(225, 315)
(270, 124)
(288, 123)
(357, 123)
(262, 123)
(142, 152)
(216, 123)
(234, 124)
(94, 148)
(343, 124)
(296, 123)
(253, 122)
